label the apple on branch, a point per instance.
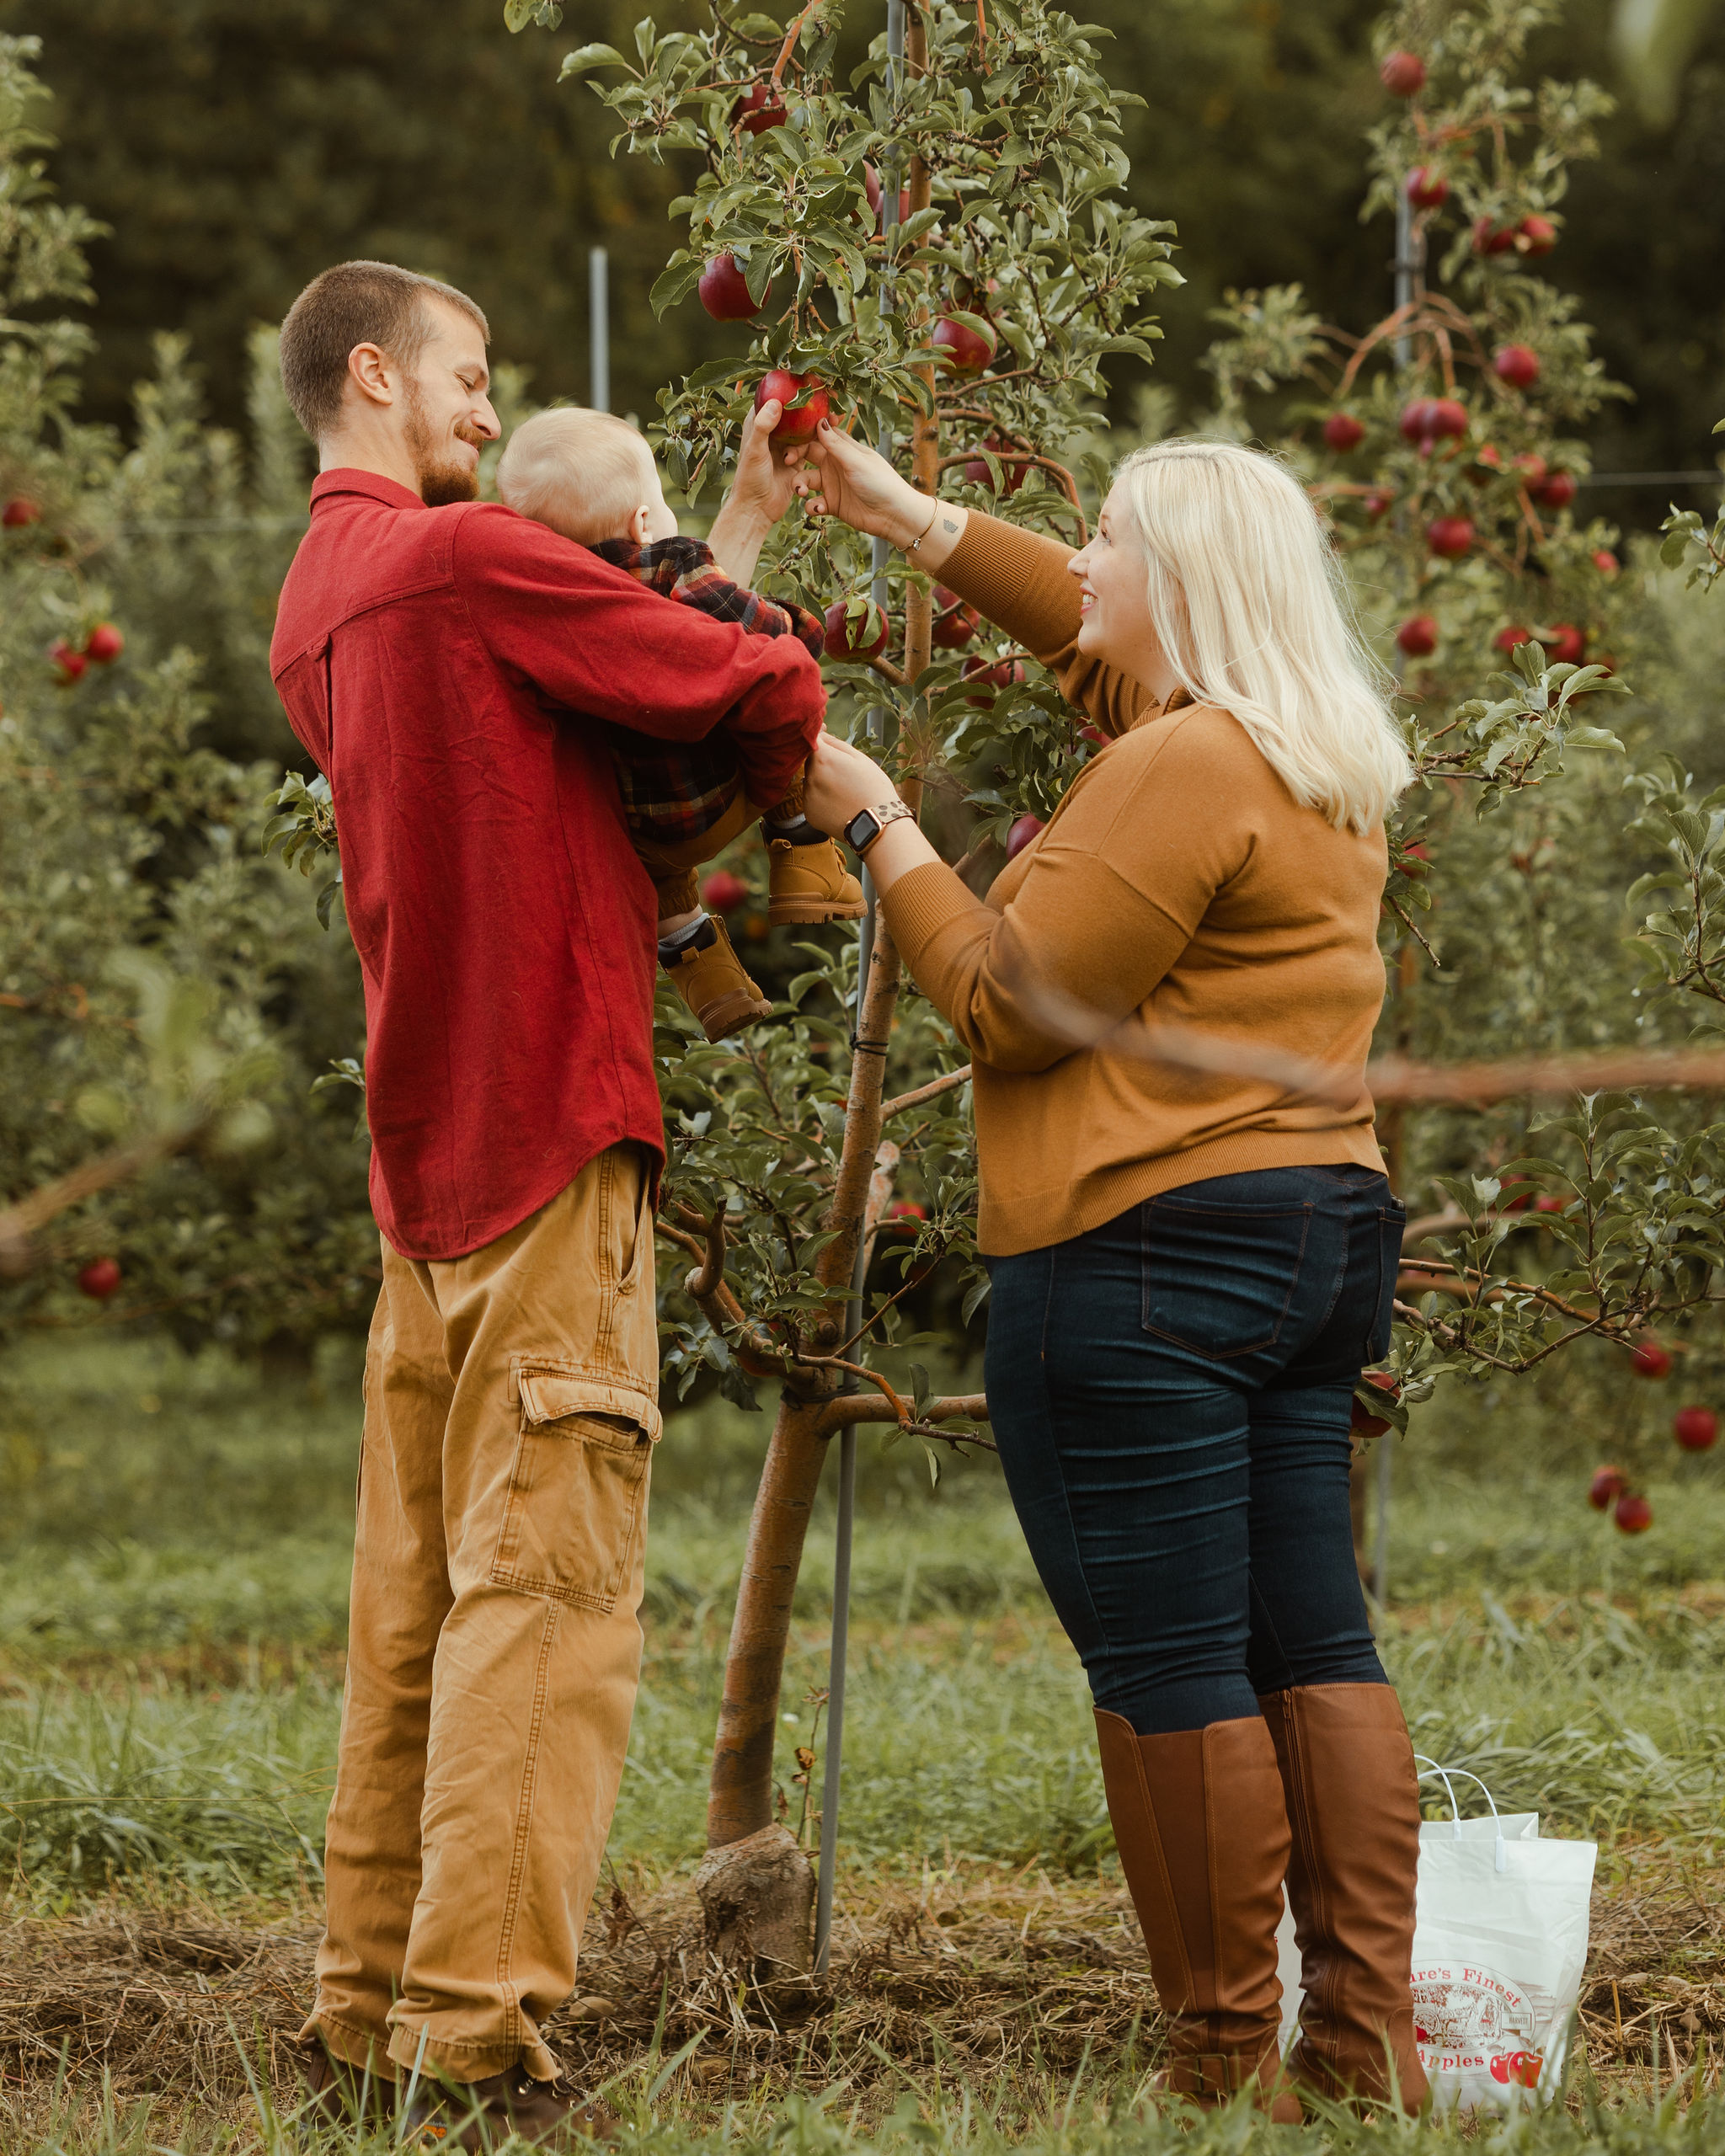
(805, 400)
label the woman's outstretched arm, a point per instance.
(1018, 578)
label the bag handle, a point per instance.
(1501, 1857)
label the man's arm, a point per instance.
(591, 636)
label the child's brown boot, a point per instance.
(709, 977)
(807, 881)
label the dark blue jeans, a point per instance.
(1170, 1396)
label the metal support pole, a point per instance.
(599, 328)
(832, 1779)
(1409, 263)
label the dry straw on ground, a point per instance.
(1001, 1978)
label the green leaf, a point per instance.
(589, 56)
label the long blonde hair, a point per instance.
(1248, 604)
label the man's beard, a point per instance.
(439, 483)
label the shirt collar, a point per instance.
(345, 479)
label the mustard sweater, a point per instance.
(1179, 883)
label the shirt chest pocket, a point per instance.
(575, 1510)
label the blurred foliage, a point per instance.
(160, 999)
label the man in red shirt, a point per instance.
(442, 660)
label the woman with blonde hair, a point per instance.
(1191, 1263)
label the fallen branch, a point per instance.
(20, 1222)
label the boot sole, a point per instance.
(810, 913)
(731, 1014)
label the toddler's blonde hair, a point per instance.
(1250, 608)
(585, 473)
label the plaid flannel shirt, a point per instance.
(672, 792)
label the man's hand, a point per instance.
(764, 488)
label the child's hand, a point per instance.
(841, 781)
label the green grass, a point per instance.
(174, 1541)
(173, 1587)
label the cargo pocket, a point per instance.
(1393, 1226)
(575, 1512)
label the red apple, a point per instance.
(1489, 238)
(104, 644)
(1608, 1485)
(760, 109)
(1450, 537)
(723, 291)
(1403, 74)
(805, 400)
(69, 665)
(1014, 470)
(871, 188)
(1536, 236)
(19, 511)
(723, 893)
(1447, 416)
(1417, 635)
(965, 349)
(1426, 187)
(1632, 1514)
(1555, 491)
(904, 1216)
(954, 622)
(1651, 1360)
(1529, 469)
(1605, 562)
(1375, 505)
(1022, 833)
(1343, 432)
(1361, 1417)
(99, 1278)
(1565, 644)
(990, 673)
(1548, 1202)
(1415, 420)
(1416, 862)
(1696, 1429)
(1518, 365)
(854, 635)
(1508, 639)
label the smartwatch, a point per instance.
(865, 826)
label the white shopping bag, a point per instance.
(1499, 1940)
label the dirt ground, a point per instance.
(977, 1973)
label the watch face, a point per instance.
(862, 827)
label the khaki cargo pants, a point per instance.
(495, 1641)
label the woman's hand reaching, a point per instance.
(844, 478)
(843, 780)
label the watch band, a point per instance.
(865, 826)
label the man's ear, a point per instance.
(368, 367)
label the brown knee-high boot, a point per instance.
(1202, 1829)
(1353, 1798)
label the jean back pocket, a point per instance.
(1219, 1276)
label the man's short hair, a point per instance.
(585, 473)
(356, 303)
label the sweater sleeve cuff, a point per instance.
(1019, 579)
(922, 903)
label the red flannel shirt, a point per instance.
(443, 667)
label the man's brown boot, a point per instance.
(480, 2115)
(338, 2093)
(1203, 1835)
(806, 884)
(1352, 1796)
(710, 978)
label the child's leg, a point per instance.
(807, 880)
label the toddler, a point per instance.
(592, 477)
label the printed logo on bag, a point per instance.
(1467, 2015)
